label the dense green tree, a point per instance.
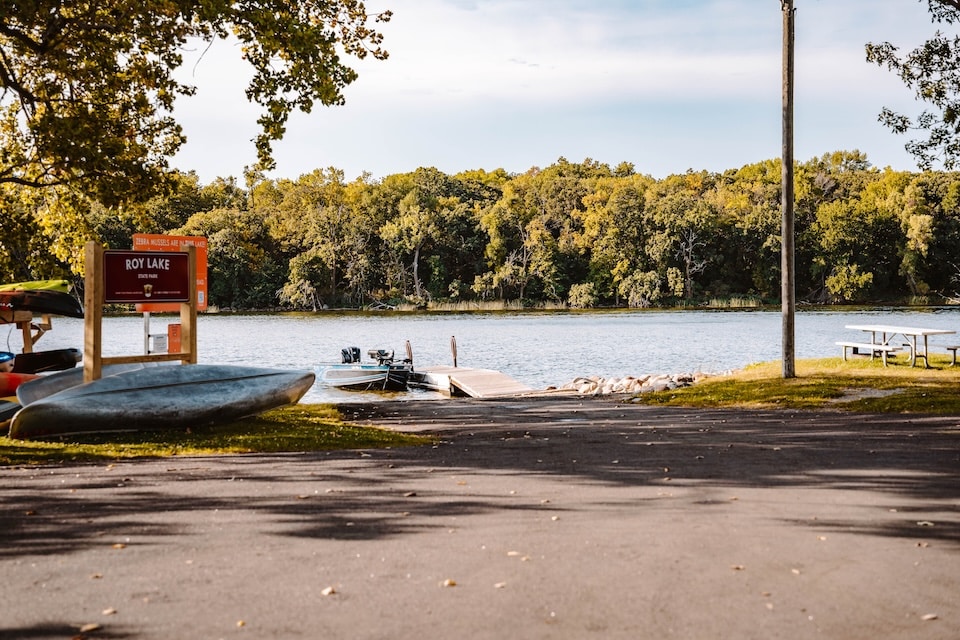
(931, 220)
(882, 203)
(310, 223)
(519, 247)
(533, 231)
(115, 227)
(943, 254)
(842, 231)
(385, 274)
(25, 252)
(87, 90)
(421, 218)
(613, 231)
(461, 250)
(241, 259)
(833, 177)
(932, 72)
(748, 200)
(683, 234)
(642, 288)
(575, 233)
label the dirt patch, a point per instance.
(862, 393)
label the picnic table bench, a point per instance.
(881, 336)
(869, 347)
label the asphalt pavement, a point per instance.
(529, 518)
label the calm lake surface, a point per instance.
(539, 349)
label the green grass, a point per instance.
(304, 427)
(855, 385)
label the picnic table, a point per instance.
(882, 335)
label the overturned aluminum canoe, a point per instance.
(172, 397)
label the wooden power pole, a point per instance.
(787, 277)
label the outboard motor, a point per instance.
(382, 356)
(350, 355)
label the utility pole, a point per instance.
(787, 276)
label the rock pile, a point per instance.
(595, 385)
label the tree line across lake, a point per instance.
(570, 234)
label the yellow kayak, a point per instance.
(38, 285)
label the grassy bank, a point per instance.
(855, 385)
(306, 427)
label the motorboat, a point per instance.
(382, 373)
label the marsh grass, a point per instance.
(854, 385)
(490, 306)
(736, 302)
(307, 427)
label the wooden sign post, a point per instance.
(137, 277)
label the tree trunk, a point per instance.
(416, 272)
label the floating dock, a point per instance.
(467, 382)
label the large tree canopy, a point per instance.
(87, 87)
(932, 72)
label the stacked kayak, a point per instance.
(8, 407)
(40, 301)
(10, 382)
(19, 302)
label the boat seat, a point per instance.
(382, 356)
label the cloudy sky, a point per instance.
(667, 85)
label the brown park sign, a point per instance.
(146, 276)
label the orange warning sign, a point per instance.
(158, 242)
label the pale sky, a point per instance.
(668, 85)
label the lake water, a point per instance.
(539, 349)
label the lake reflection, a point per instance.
(539, 349)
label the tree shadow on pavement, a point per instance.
(911, 461)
